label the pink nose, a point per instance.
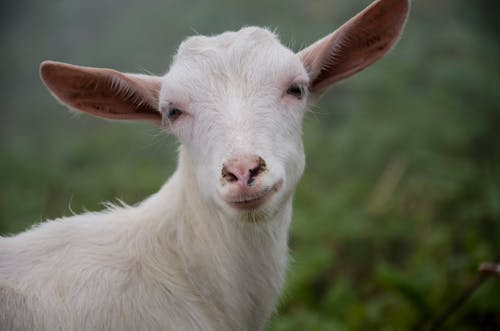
(243, 169)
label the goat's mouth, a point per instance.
(253, 200)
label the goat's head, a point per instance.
(236, 101)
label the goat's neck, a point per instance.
(237, 265)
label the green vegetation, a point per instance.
(400, 201)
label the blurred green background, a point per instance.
(400, 201)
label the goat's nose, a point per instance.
(243, 169)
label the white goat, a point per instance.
(209, 250)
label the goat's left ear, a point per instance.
(103, 92)
(355, 45)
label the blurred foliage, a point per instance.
(400, 201)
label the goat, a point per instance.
(209, 250)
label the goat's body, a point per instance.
(171, 263)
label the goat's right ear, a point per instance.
(355, 45)
(103, 92)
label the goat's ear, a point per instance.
(103, 92)
(355, 45)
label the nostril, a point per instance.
(260, 167)
(228, 175)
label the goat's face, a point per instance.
(236, 102)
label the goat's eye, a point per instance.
(296, 91)
(170, 114)
(174, 113)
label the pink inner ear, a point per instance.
(355, 45)
(103, 92)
